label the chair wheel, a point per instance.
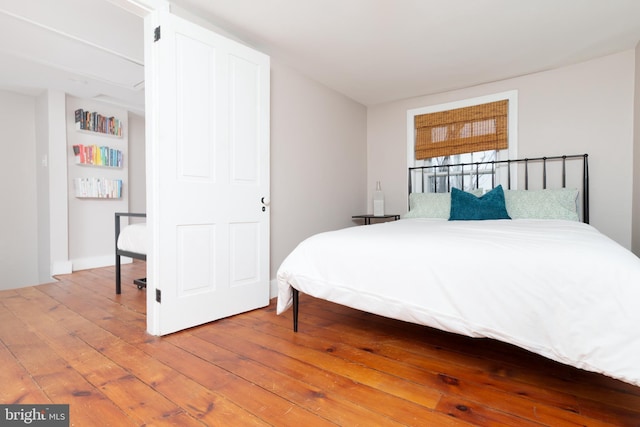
(142, 283)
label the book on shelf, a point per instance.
(98, 188)
(97, 156)
(95, 122)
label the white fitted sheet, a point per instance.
(558, 288)
(133, 238)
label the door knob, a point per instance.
(265, 202)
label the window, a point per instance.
(481, 127)
(474, 130)
(467, 179)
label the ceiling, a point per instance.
(373, 51)
(87, 48)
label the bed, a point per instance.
(130, 242)
(544, 280)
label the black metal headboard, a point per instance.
(431, 178)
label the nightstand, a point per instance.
(367, 218)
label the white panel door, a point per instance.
(207, 176)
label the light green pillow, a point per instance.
(432, 205)
(542, 204)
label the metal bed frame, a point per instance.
(419, 176)
(474, 170)
(142, 283)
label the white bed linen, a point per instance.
(558, 288)
(133, 238)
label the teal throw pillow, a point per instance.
(467, 207)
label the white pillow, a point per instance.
(432, 205)
(542, 204)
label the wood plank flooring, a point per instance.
(77, 342)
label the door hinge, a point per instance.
(158, 295)
(156, 34)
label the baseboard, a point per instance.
(97, 262)
(273, 288)
(61, 267)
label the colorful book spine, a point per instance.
(97, 156)
(95, 122)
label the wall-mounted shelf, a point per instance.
(93, 155)
(89, 152)
(96, 133)
(98, 188)
(96, 123)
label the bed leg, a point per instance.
(118, 287)
(296, 300)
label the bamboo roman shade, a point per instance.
(463, 130)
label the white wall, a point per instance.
(581, 108)
(18, 215)
(91, 221)
(51, 167)
(42, 184)
(635, 243)
(137, 168)
(34, 221)
(53, 210)
(318, 160)
(318, 155)
(318, 172)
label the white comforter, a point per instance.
(133, 238)
(558, 288)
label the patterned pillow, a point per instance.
(432, 205)
(543, 204)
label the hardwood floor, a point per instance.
(77, 342)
